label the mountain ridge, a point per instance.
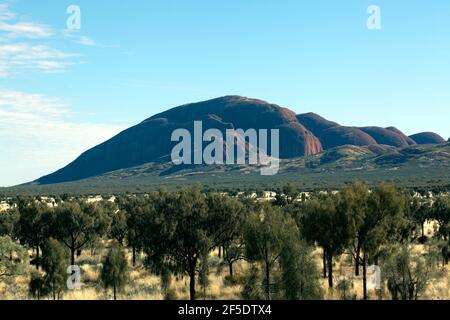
(301, 135)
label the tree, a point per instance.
(13, 258)
(114, 270)
(441, 212)
(407, 275)
(376, 218)
(77, 225)
(233, 252)
(329, 226)
(54, 264)
(183, 226)
(353, 200)
(36, 284)
(252, 286)
(134, 208)
(203, 276)
(9, 223)
(35, 225)
(165, 280)
(299, 273)
(264, 239)
(421, 212)
(119, 226)
(301, 212)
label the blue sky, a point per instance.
(62, 92)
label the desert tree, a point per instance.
(134, 208)
(36, 285)
(203, 275)
(35, 225)
(422, 211)
(77, 225)
(233, 252)
(13, 258)
(119, 228)
(54, 263)
(407, 275)
(441, 213)
(234, 246)
(114, 273)
(327, 225)
(9, 223)
(298, 271)
(353, 201)
(183, 226)
(265, 235)
(376, 222)
(251, 289)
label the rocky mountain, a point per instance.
(151, 140)
(300, 135)
(427, 138)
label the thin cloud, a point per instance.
(5, 13)
(38, 129)
(38, 58)
(86, 41)
(20, 50)
(25, 30)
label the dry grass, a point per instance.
(143, 285)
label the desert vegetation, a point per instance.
(195, 244)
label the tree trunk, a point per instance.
(72, 256)
(423, 229)
(364, 277)
(324, 261)
(115, 293)
(357, 255)
(192, 267)
(230, 266)
(330, 270)
(37, 257)
(134, 256)
(220, 252)
(267, 280)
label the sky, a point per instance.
(64, 89)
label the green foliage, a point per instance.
(119, 226)
(166, 279)
(375, 217)
(265, 237)
(179, 229)
(78, 224)
(114, 272)
(35, 225)
(203, 275)
(407, 275)
(326, 222)
(344, 287)
(233, 251)
(36, 285)
(9, 223)
(135, 209)
(182, 227)
(54, 263)
(441, 213)
(13, 258)
(299, 272)
(252, 289)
